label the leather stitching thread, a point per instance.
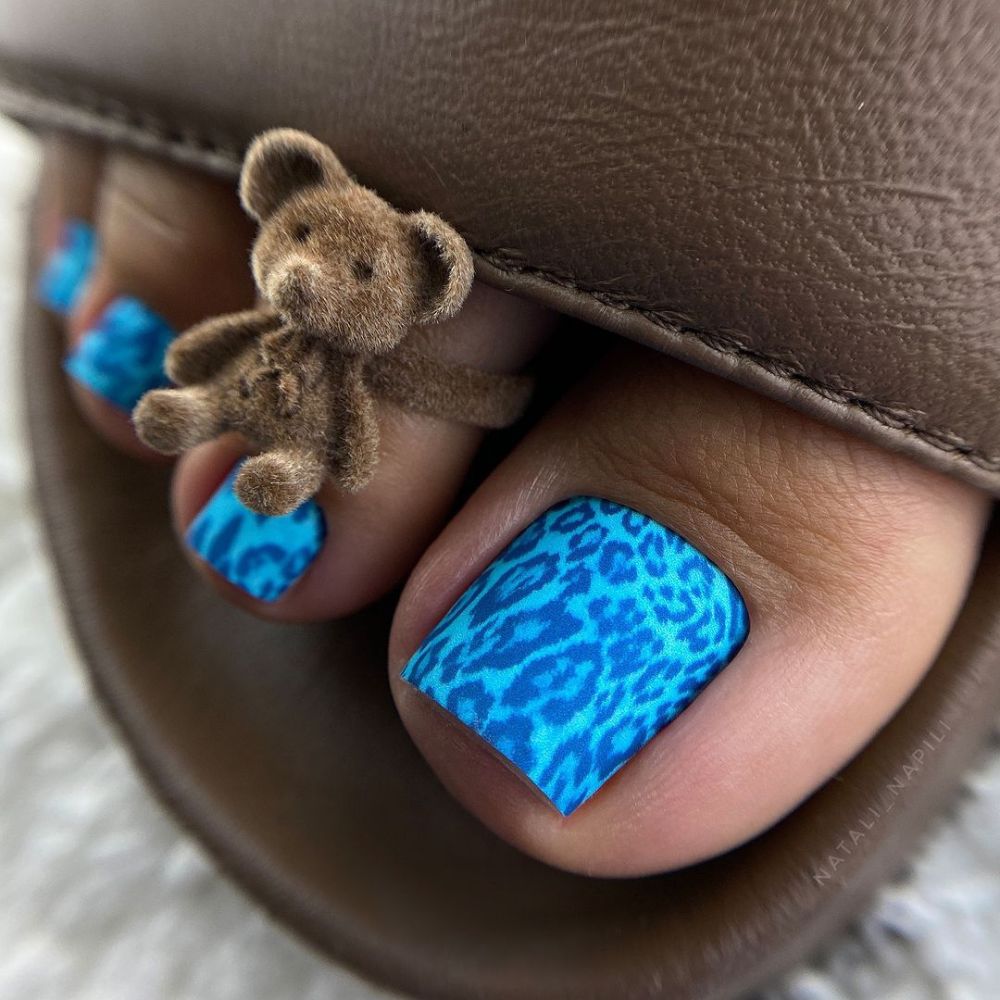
(83, 110)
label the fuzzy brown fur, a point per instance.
(346, 277)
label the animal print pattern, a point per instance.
(585, 637)
(68, 267)
(261, 555)
(122, 356)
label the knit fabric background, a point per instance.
(102, 897)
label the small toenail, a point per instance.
(121, 357)
(587, 635)
(261, 555)
(67, 269)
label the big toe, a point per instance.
(673, 612)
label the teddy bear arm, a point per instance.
(438, 388)
(198, 353)
(172, 420)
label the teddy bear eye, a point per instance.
(302, 232)
(363, 270)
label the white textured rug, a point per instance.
(103, 898)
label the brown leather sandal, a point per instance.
(822, 230)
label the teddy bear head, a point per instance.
(333, 257)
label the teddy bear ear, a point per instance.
(448, 261)
(281, 162)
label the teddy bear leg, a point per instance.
(278, 481)
(353, 458)
(172, 420)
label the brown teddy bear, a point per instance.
(348, 281)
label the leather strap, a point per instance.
(802, 197)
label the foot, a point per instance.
(672, 612)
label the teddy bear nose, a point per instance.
(295, 285)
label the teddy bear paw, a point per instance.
(277, 482)
(172, 420)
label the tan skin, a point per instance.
(853, 561)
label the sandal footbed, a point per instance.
(279, 748)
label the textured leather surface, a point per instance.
(800, 195)
(280, 747)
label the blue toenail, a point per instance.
(122, 356)
(68, 267)
(262, 555)
(588, 634)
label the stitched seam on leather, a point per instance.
(894, 417)
(116, 120)
(82, 109)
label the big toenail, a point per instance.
(588, 634)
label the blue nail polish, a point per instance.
(122, 356)
(586, 636)
(68, 267)
(262, 555)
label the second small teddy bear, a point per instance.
(346, 278)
